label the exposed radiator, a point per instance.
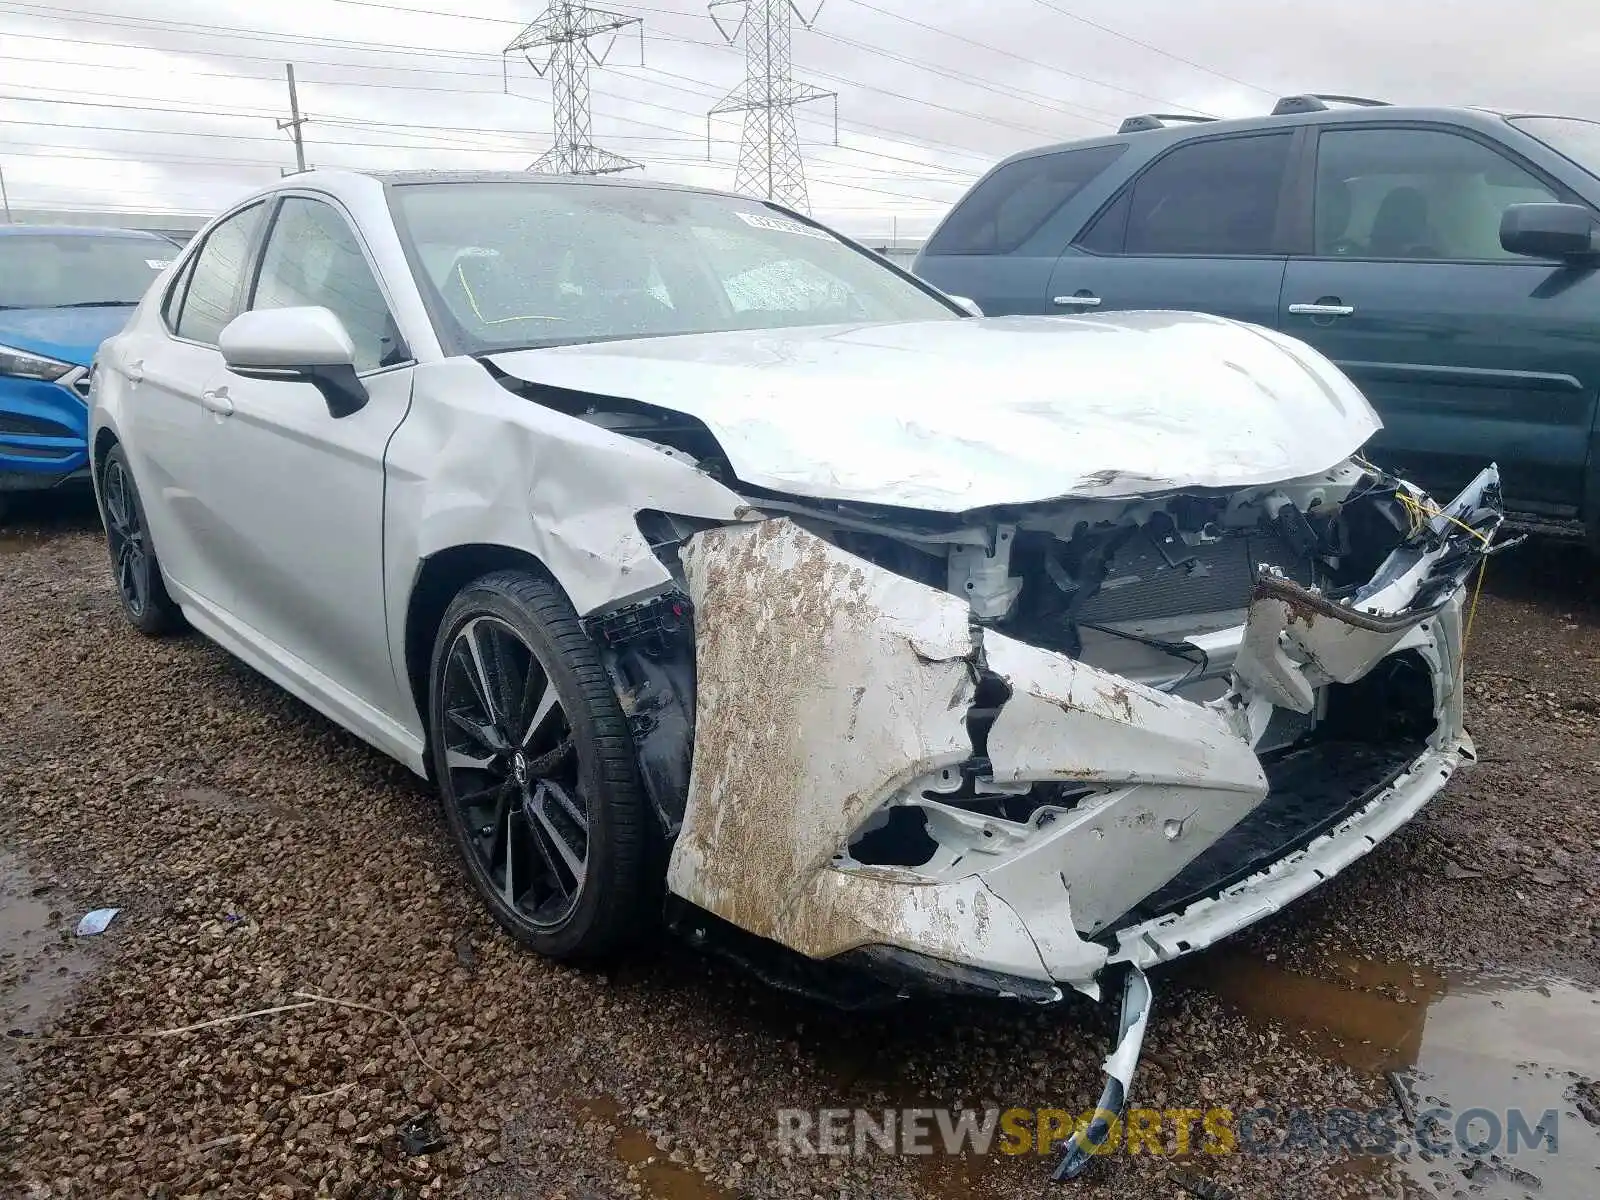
(1146, 581)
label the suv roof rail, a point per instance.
(1159, 121)
(1318, 102)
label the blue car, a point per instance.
(63, 291)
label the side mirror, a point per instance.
(1565, 231)
(969, 306)
(304, 344)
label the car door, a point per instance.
(1469, 353)
(299, 491)
(164, 368)
(999, 245)
(1202, 228)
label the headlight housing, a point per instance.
(24, 364)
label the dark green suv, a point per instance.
(1447, 259)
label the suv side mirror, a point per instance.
(1564, 231)
(967, 305)
(308, 344)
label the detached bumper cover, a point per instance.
(830, 690)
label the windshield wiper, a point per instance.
(97, 304)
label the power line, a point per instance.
(1053, 104)
(430, 12)
(1129, 38)
(892, 134)
(1032, 62)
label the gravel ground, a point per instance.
(263, 858)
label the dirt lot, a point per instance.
(259, 857)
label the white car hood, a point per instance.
(963, 414)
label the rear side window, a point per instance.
(1013, 203)
(216, 284)
(173, 307)
(1217, 197)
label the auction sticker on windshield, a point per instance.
(783, 225)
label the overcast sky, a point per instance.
(929, 94)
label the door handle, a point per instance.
(1081, 300)
(1321, 309)
(217, 401)
(136, 371)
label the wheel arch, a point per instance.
(440, 578)
(105, 437)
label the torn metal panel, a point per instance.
(1295, 639)
(1134, 1018)
(824, 683)
(1182, 778)
(1114, 405)
(1290, 629)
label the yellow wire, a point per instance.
(1472, 611)
(477, 312)
(1419, 512)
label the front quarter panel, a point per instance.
(475, 465)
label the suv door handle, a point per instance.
(1077, 300)
(217, 401)
(1322, 309)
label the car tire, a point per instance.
(135, 569)
(535, 767)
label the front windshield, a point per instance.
(53, 270)
(513, 265)
(1568, 136)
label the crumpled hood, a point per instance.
(69, 335)
(963, 414)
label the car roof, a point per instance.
(1183, 128)
(78, 231)
(533, 179)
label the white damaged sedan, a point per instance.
(688, 546)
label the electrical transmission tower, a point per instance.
(565, 29)
(769, 150)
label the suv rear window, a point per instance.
(1218, 197)
(1007, 208)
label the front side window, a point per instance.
(79, 270)
(312, 258)
(1424, 194)
(1219, 197)
(509, 265)
(1012, 204)
(216, 285)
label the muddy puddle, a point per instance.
(40, 960)
(17, 543)
(1489, 1056)
(652, 1168)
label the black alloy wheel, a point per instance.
(535, 767)
(140, 588)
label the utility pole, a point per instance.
(769, 150)
(294, 123)
(565, 29)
